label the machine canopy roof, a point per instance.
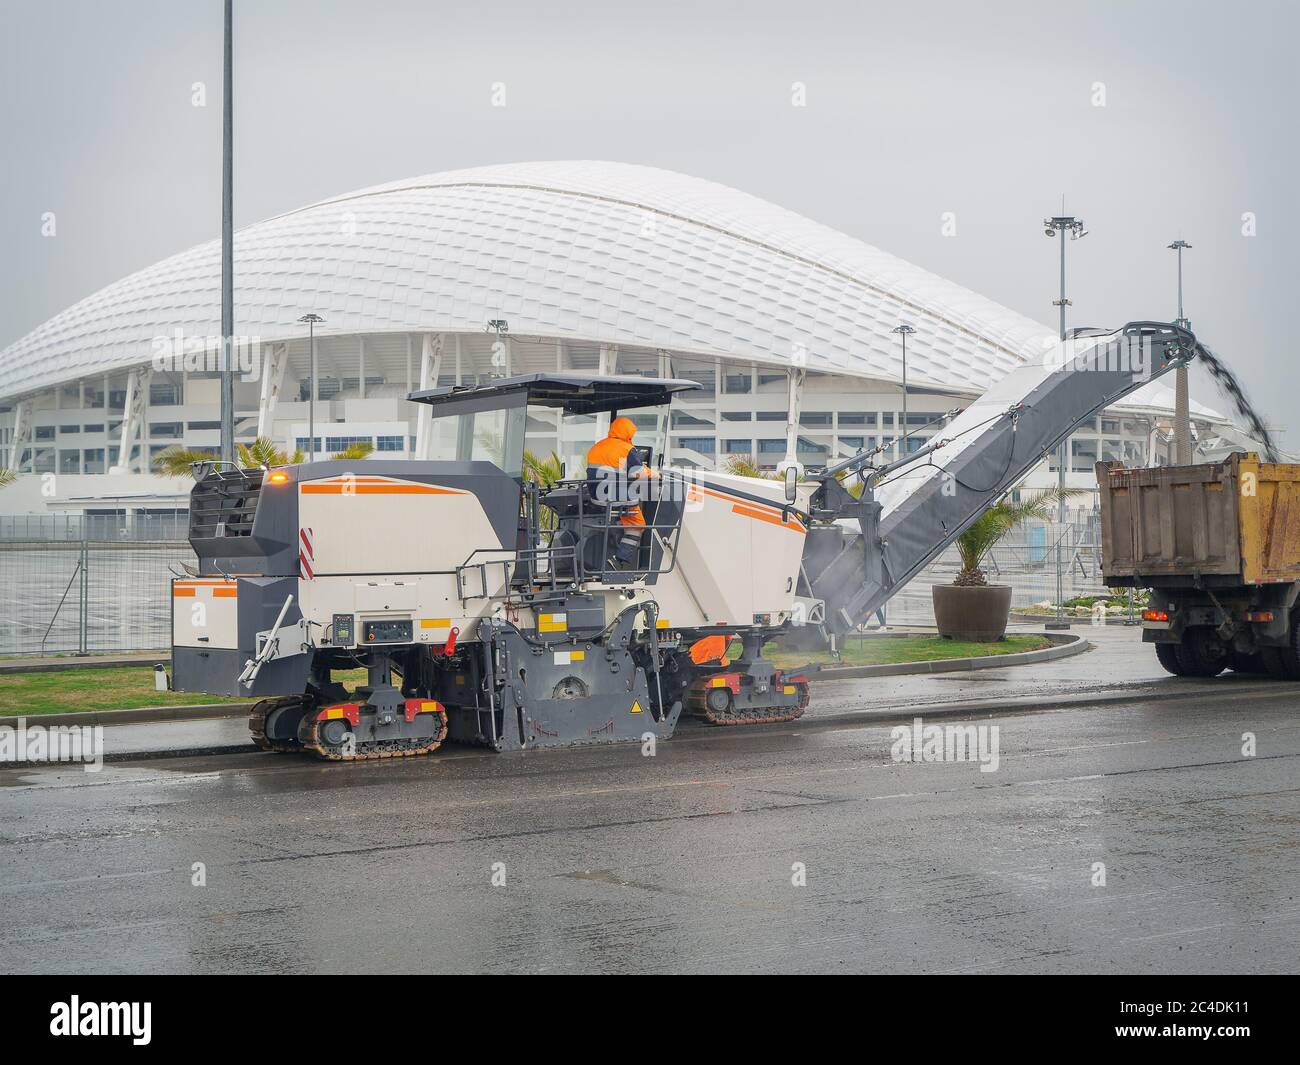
(573, 393)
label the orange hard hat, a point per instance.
(622, 429)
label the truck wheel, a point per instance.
(1283, 663)
(1202, 653)
(1253, 663)
(1167, 653)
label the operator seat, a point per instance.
(582, 528)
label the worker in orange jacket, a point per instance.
(614, 468)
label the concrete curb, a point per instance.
(1083, 621)
(89, 662)
(146, 756)
(1174, 690)
(1064, 644)
(141, 716)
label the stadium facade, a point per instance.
(456, 277)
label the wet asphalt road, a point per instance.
(615, 862)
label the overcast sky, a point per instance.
(987, 110)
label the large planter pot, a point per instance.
(975, 612)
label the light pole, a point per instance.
(227, 251)
(1062, 224)
(311, 320)
(903, 329)
(1182, 400)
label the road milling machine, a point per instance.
(486, 608)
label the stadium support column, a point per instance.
(607, 367)
(792, 418)
(430, 367)
(24, 414)
(133, 410)
(272, 379)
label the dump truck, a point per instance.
(1218, 545)
(489, 609)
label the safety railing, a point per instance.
(586, 518)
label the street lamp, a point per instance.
(1182, 399)
(903, 329)
(1062, 224)
(311, 320)
(227, 246)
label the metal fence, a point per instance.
(87, 597)
(1027, 562)
(144, 526)
(61, 596)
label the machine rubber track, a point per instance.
(257, 725)
(375, 749)
(697, 705)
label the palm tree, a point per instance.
(7, 477)
(542, 471)
(745, 466)
(353, 452)
(263, 452)
(984, 532)
(177, 461)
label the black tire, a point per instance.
(1283, 663)
(1240, 663)
(1274, 663)
(1201, 653)
(1167, 653)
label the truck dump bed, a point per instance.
(1234, 522)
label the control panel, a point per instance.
(341, 631)
(389, 630)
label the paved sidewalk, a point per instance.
(206, 736)
(1117, 659)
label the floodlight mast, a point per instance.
(1062, 224)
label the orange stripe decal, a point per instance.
(219, 589)
(773, 509)
(374, 486)
(748, 508)
(794, 525)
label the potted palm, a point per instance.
(178, 461)
(970, 608)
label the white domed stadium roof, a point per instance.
(585, 251)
